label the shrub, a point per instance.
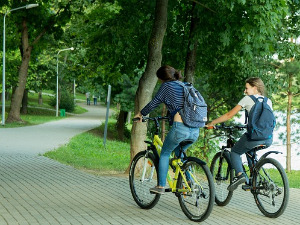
(66, 101)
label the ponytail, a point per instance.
(168, 73)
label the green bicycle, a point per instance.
(191, 181)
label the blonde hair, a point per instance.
(257, 82)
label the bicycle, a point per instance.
(192, 182)
(268, 181)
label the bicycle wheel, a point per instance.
(222, 174)
(142, 177)
(270, 187)
(197, 204)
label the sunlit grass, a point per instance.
(86, 151)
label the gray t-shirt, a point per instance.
(247, 102)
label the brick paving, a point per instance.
(38, 190)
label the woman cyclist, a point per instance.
(170, 93)
(254, 86)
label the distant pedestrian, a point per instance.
(95, 99)
(88, 101)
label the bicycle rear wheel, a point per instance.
(270, 187)
(222, 175)
(197, 204)
(142, 177)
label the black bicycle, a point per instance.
(268, 181)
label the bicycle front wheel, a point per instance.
(270, 187)
(222, 175)
(197, 204)
(142, 177)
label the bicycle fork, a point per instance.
(177, 163)
(147, 163)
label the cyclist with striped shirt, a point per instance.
(170, 93)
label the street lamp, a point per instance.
(29, 6)
(66, 49)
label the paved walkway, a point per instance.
(38, 190)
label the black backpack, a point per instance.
(194, 111)
(261, 120)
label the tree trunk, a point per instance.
(190, 63)
(7, 95)
(40, 98)
(25, 102)
(288, 125)
(16, 101)
(121, 124)
(149, 79)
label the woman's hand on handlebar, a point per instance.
(210, 126)
(138, 118)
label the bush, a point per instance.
(66, 101)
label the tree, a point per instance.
(288, 75)
(288, 79)
(149, 79)
(41, 20)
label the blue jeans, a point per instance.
(178, 133)
(242, 146)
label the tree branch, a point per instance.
(46, 28)
(203, 6)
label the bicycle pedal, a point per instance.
(168, 190)
(246, 187)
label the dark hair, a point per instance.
(257, 82)
(168, 73)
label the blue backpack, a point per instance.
(261, 120)
(194, 111)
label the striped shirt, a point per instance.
(171, 93)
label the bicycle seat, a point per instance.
(259, 147)
(186, 142)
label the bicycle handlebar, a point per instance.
(144, 118)
(223, 127)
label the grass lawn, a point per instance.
(293, 178)
(86, 151)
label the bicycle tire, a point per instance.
(222, 174)
(270, 182)
(198, 204)
(143, 162)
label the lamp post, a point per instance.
(66, 49)
(3, 67)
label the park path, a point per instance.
(38, 190)
(33, 140)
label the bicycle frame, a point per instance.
(157, 142)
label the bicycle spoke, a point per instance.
(271, 188)
(222, 174)
(196, 204)
(142, 177)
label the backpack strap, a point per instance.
(253, 98)
(246, 112)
